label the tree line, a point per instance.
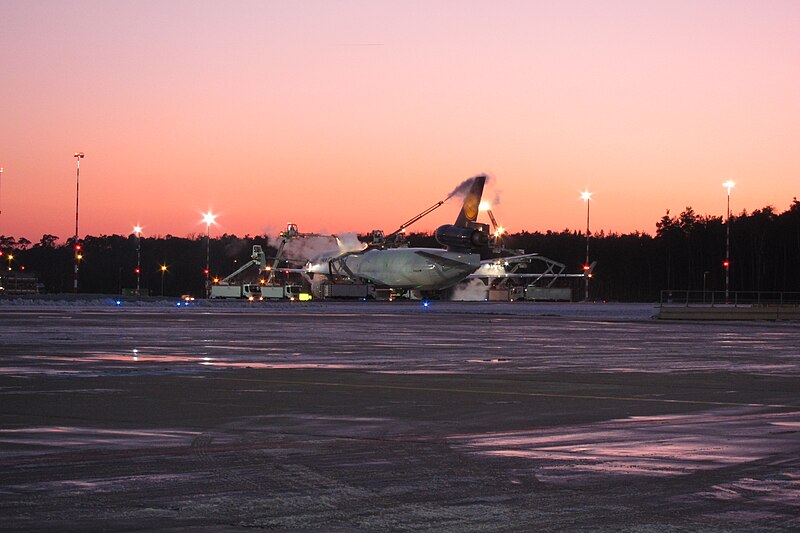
(686, 253)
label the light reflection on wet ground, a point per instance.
(665, 445)
(185, 340)
(724, 440)
(458, 420)
(41, 439)
(91, 487)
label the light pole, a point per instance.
(208, 218)
(727, 263)
(163, 271)
(138, 231)
(78, 156)
(586, 196)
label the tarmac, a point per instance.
(394, 417)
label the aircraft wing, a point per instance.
(515, 266)
(498, 275)
(443, 261)
(510, 259)
(292, 270)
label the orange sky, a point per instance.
(354, 115)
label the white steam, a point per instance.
(473, 290)
(348, 242)
(461, 189)
(496, 200)
(312, 248)
(307, 248)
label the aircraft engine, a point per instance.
(461, 238)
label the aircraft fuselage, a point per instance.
(406, 268)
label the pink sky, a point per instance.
(354, 115)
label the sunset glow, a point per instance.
(356, 115)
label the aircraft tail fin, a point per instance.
(469, 212)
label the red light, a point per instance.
(136, 270)
(586, 267)
(77, 246)
(726, 264)
(205, 271)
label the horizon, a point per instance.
(357, 115)
(598, 233)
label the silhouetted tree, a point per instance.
(686, 253)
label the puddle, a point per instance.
(666, 445)
(71, 487)
(226, 364)
(46, 439)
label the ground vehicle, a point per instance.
(228, 288)
(255, 291)
(287, 291)
(244, 290)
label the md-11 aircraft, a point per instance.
(388, 263)
(411, 268)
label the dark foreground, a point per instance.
(385, 418)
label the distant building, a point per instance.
(16, 282)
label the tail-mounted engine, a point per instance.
(463, 239)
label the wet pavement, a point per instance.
(343, 417)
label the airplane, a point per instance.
(423, 269)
